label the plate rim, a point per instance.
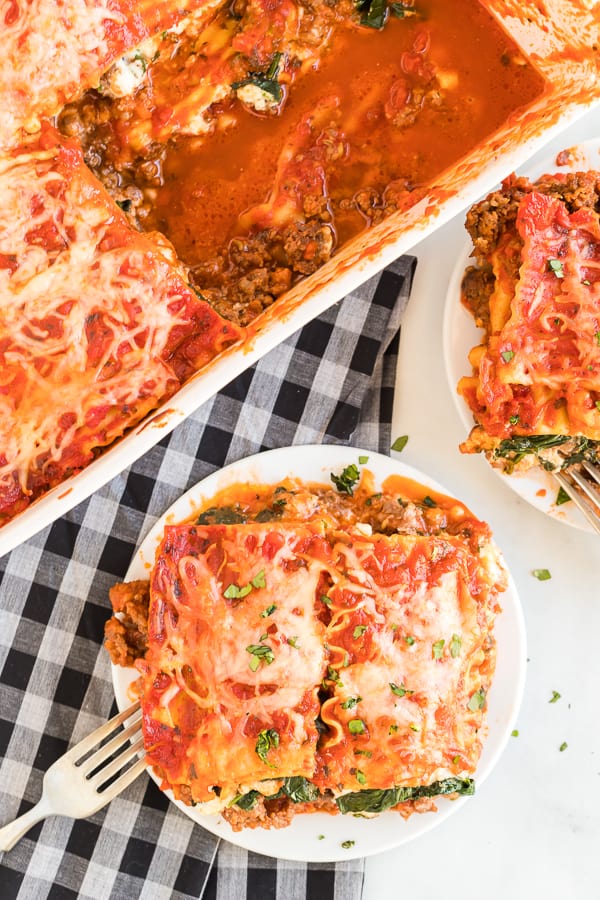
(261, 841)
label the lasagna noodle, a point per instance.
(96, 327)
(539, 370)
(410, 631)
(236, 652)
(54, 49)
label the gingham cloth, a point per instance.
(331, 382)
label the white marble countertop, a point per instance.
(533, 830)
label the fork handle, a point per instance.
(14, 831)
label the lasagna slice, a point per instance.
(235, 659)
(96, 326)
(412, 661)
(55, 49)
(535, 386)
(295, 665)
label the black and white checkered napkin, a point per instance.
(331, 382)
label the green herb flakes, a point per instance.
(507, 355)
(428, 501)
(347, 844)
(556, 266)
(541, 574)
(515, 733)
(346, 482)
(456, 760)
(260, 653)
(359, 631)
(259, 580)
(409, 640)
(268, 611)
(361, 777)
(326, 600)
(455, 646)
(363, 460)
(320, 837)
(555, 696)
(267, 740)
(400, 443)
(437, 649)
(477, 701)
(356, 726)
(393, 729)
(562, 497)
(293, 642)
(563, 746)
(399, 690)
(233, 592)
(350, 702)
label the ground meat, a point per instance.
(274, 813)
(476, 289)
(487, 220)
(126, 637)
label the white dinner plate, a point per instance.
(460, 335)
(302, 840)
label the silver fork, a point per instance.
(582, 484)
(83, 780)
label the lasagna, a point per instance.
(169, 170)
(535, 386)
(302, 648)
(97, 325)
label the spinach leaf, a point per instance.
(248, 801)
(300, 790)
(266, 81)
(376, 801)
(221, 515)
(374, 13)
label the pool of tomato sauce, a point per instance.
(209, 182)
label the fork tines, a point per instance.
(582, 484)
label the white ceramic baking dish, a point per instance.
(562, 40)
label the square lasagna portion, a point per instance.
(535, 386)
(290, 667)
(96, 325)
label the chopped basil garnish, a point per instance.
(399, 690)
(556, 266)
(507, 355)
(455, 646)
(409, 640)
(259, 580)
(361, 777)
(400, 443)
(347, 844)
(350, 702)
(555, 696)
(562, 497)
(514, 732)
(346, 482)
(437, 649)
(326, 600)
(260, 652)
(293, 642)
(268, 611)
(356, 726)
(563, 746)
(477, 701)
(541, 574)
(359, 631)
(233, 592)
(363, 460)
(428, 501)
